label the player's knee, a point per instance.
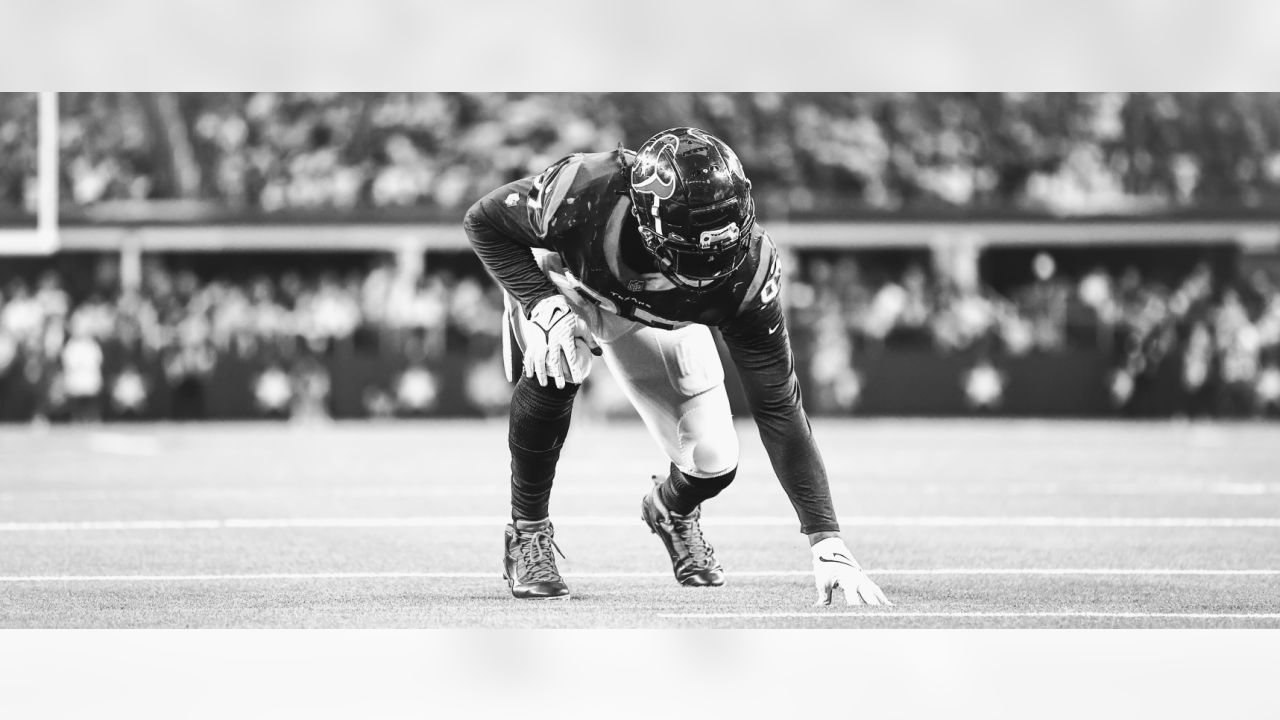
(532, 403)
(540, 417)
(715, 452)
(546, 400)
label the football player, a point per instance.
(635, 256)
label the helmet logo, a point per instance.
(655, 170)
(708, 238)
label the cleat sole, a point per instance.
(532, 596)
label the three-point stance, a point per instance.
(634, 256)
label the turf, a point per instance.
(893, 481)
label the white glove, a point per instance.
(543, 350)
(834, 566)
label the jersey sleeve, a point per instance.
(759, 346)
(504, 226)
(766, 281)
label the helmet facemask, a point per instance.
(702, 264)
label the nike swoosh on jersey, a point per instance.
(839, 562)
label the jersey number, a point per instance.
(537, 195)
(774, 283)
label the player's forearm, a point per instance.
(794, 456)
(764, 362)
(509, 261)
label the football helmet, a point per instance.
(693, 202)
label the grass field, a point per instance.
(963, 523)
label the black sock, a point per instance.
(539, 422)
(682, 494)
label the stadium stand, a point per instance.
(809, 153)
(137, 324)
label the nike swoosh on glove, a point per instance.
(549, 352)
(834, 567)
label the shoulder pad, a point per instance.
(550, 187)
(562, 193)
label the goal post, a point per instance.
(44, 238)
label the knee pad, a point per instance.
(709, 443)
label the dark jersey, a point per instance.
(580, 208)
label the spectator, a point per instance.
(161, 344)
(1239, 349)
(82, 375)
(129, 393)
(1067, 153)
(416, 391)
(311, 395)
(273, 392)
(984, 386)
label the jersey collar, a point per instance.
(653, 281)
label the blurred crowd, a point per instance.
(95, 351)
(276, 152)
(17, 150)
(290, 340)
(1223, 338)
(821, 153)
(118, 354)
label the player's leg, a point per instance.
(539, 421)
(676, 383)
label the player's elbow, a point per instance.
(777, 402)
(475, 220)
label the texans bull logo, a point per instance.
(655, 170)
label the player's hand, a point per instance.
(552, 350)
(834, 567)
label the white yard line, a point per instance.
(447, 521)
(217, 577)
(246, 576)
(127, 444)
(1117, 489)
(1075, 571)
(896, 614)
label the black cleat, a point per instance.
(692, 558)
(528, 565)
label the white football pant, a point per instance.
(672, 377)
